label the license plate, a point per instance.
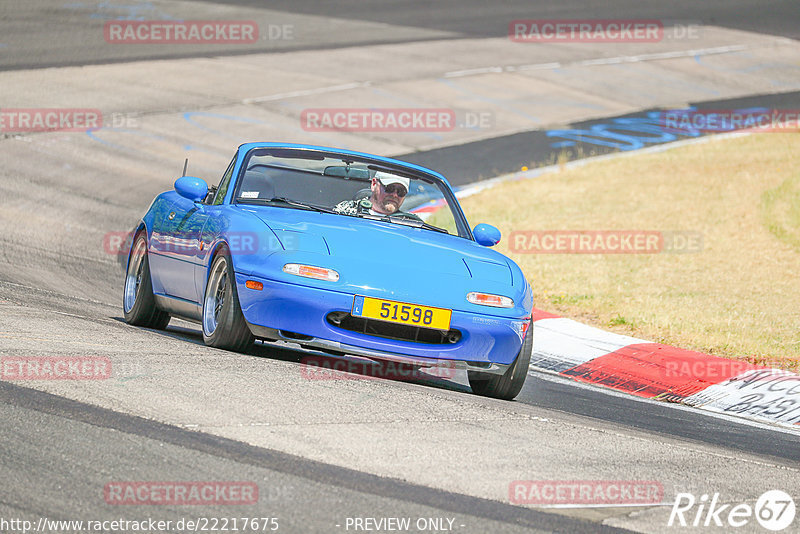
(402, 313)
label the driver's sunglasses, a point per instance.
(395, 189)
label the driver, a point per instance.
(387, 195)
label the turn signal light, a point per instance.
(252, 284)
(486, 299)
(309, 271)
(521, 328)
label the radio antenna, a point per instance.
(185, 164)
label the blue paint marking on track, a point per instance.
(753, 68)
(486, 158)
(96, 135)
(189, 117)
(493, 101)
(641, 131)
(110, 11)
(92, 135)
(632, 133)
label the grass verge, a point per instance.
(738, 296)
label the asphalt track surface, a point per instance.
(305, 495)
(29, 30)
(476, 18)
(60, 447)
(487, 158)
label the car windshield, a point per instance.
(299, 179)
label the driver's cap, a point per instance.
(386, 179)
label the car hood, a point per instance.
(387, 260)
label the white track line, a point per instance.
(599, 61)
(512, 68)
(306, 92)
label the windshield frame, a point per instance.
(373, 164)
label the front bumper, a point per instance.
(297, 314)
(335, 348)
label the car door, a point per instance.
(212, 226)
(180, 245)
(177, 245)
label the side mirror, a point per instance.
(486, 235)
(192, 188)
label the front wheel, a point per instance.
(138, 302)
(508, 385)
(224, 326)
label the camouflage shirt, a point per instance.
(351, 207)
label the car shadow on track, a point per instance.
(320, 366)
(316, 365)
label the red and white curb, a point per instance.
(661, 372)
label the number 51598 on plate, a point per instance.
(402, 312)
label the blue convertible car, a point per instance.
(339, 252)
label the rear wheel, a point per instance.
(508, 385)
(224, 326)
(138, 302)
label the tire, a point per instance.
(224, 326)
(508, 385)
(138, 302)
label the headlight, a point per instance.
(486, 299)
(309, 271)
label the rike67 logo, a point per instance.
(774, 510)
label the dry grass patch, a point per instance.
(739, 297)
